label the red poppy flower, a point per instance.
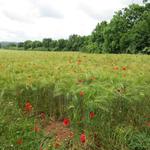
(28, 107)
(82, 138)
(66, 122)
(92, 114)
(116, 67)
(19, 141)
(81, 93)
(124, 68)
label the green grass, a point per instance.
(51, 81)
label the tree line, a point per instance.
(127, 32)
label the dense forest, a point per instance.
(127, 32)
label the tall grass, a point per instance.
(53, 82)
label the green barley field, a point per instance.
(74, 101)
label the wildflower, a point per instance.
(116, 67)
(28, 107)
(124, 68)
(82, 138)
(66, 122)
(81, 93)
(19, 141)
(92, 114)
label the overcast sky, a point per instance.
(36, 19)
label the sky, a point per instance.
(21, 20)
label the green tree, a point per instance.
(75, 42)
(97, 36)
(47, 43)
(20, 44)
(135, 40)
(137, 37)
(36, 44)
(118, 34)
(27, 44)
(61, 44)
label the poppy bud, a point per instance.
(82, 138)
(66, 122)
(92, 115)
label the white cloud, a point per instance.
(35, 19)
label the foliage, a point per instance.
(27, 44)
